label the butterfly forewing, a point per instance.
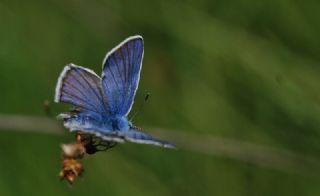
(81, 87)
(121, 74)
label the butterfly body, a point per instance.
(103, 103)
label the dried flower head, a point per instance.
(71, 169)
(74, 152)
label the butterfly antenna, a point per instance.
(140, 106)
(47, 108)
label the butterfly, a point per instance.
(102, 104)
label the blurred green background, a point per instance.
(245, 71)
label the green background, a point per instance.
(246, 71)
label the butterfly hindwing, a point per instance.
(121, 74)
(136, 136)
(81, 87)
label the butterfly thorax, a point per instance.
(119, 123)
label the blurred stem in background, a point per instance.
(257, 154)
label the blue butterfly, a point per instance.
(103, 103)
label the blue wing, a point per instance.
(90, 122)
(121, 74)
(81, 87)
(136, 136)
